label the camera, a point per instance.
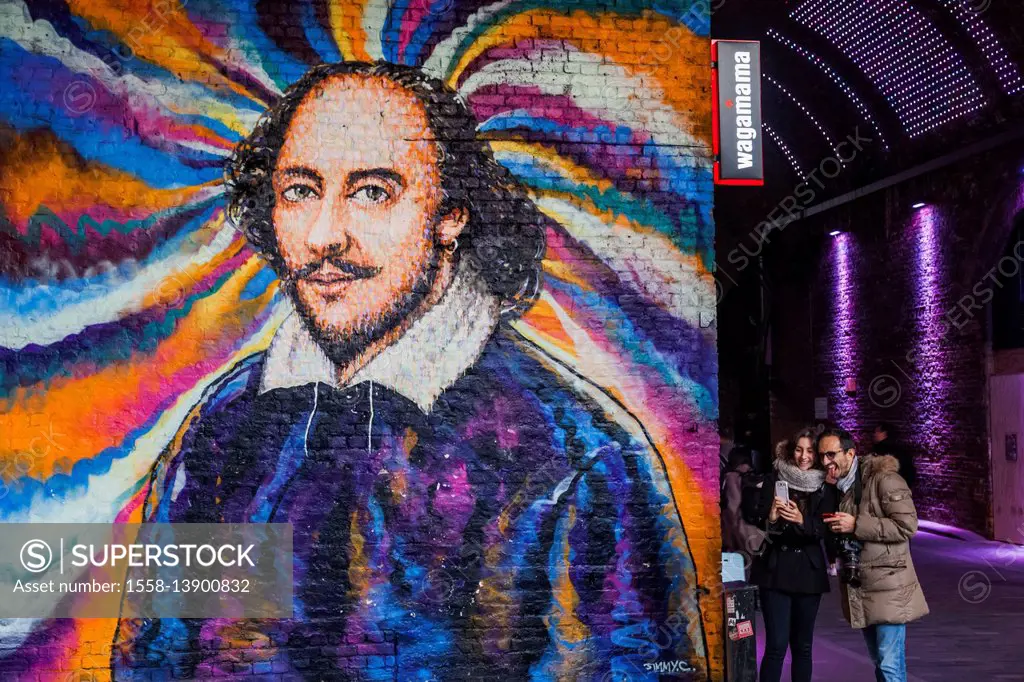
(849, 560)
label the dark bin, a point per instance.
(740, 633)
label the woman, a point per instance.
(791, 572)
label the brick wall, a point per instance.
(491, 417)
(880, 305)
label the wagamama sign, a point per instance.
(736, 88)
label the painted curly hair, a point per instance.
(504, 239)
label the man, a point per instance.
(879, 588)
(463, 505)
(886, 443)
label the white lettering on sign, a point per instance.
(745, 132)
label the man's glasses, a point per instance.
(831, 455)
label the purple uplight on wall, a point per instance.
(929, 267)
(933, 383)
(842, 341)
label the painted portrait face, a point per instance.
(357, 191)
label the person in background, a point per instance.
(877, 518)
(725, 446)
(737, 534)
(887, 443)
(792, 571)
(747, 441)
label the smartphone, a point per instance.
(782, 490)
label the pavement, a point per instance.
(975, 590)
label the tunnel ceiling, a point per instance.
(920, 78)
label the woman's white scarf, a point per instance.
(805, 481)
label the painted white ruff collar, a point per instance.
(427, 359)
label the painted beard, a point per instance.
(342, 347)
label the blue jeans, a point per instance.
(887, 646)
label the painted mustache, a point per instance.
(339, 269)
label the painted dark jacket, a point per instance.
(520, 527)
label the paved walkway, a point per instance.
(974, 633)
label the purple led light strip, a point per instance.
(777, 139)
(1006, 70)
(808, 114)
(847, 90)
(914, 67)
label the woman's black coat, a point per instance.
(793, 560)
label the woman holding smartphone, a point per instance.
(791, 572)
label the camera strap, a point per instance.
(858, 489)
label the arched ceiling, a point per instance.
(922, 76)
(915, 76)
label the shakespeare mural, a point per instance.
(429, 282)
